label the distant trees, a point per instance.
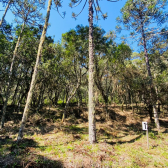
(26, 11)
(139, 15)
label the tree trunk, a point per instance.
(63, 96)
(2, 98)
(40, 99)
(32, 85)
(159, 107)
(9, 77)
(150, 110)
(79, 102)
(16, 90)
(68, 100)
(106, 109)
(56, 98)
(132, 106)
(86, 98)
(7, 7)
(15, 93)
(152, 88)
(91, 104)
(105, 97)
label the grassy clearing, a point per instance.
(50, 143)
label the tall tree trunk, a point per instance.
(152, 88)
(9, 77)
(33, 81)
(7, 7)
(91, 104)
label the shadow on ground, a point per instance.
(23, 155)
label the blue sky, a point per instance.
(59, 25)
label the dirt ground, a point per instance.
(48, 142)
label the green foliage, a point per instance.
(152, 135)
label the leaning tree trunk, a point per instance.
(7, 7)
(33, 81)
(152, 88)
(9, 77)
(91, 104)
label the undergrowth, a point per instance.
(49, 143)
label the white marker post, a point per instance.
(145, 127)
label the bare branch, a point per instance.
(76, 4)
(80, 11)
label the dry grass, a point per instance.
(50, 143)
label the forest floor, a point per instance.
(49, 143)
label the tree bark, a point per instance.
(7, 7)
(152, 88)
(91, 104)
(33, 81)
(9, 77)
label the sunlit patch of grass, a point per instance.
(108, 164)
(37, 138)
(165, 155)
(88, 147)
(26, 136)
(84, 136)
(48, 149)
(63, 149)
(70, 147)
(166, 163)
(152, 135)
(95, 148)
(56, 152)
(139, 158)
(117, 147)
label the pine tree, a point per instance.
(138, 15)
(91, 102)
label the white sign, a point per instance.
(144, 126)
